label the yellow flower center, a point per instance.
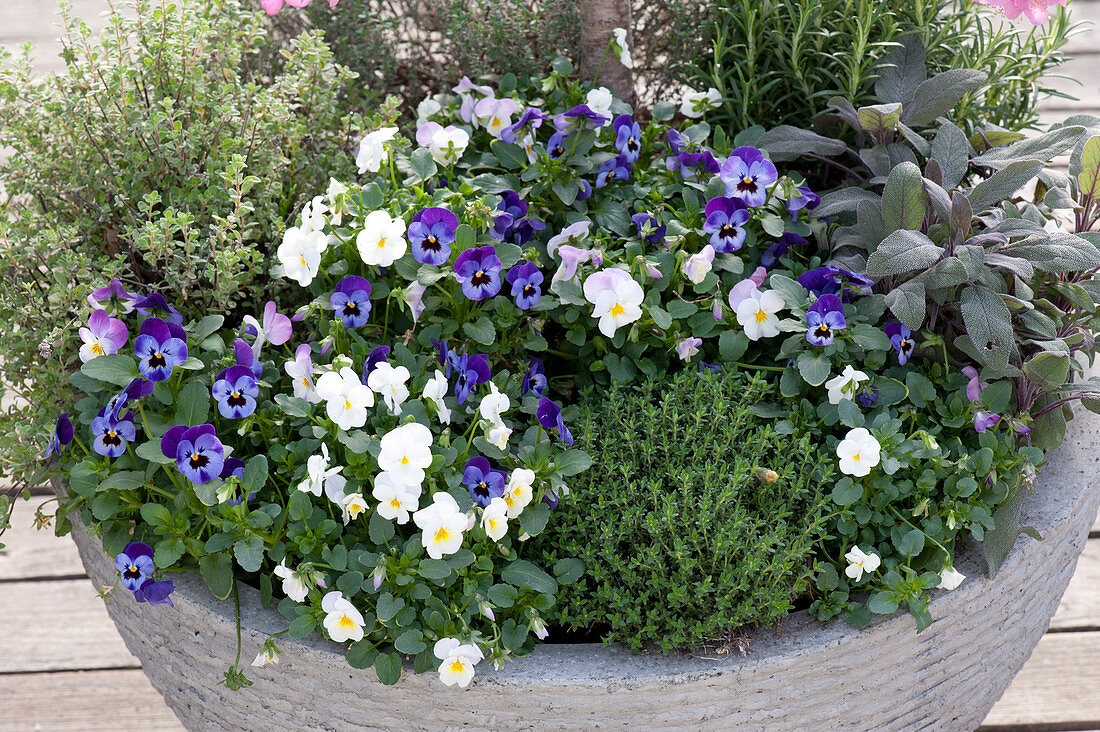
(345, 622)
(382, 243)
(405, 460)
(458, 666)
(355, 509)
(97, 349)
(347, 404)
(441, 535)
(761, 316)
(509, 500)
(305, 383)
(395, 503)
(302, 260)
(617, 310)
(856, 457)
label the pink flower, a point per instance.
(1035, 10)
(743, 290)
(276, 327)
(103, 336)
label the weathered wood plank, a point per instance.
(1080, 606)
(1078, 79)
(59, 626)
(33, 554)
(75, 701)
(1057, 688)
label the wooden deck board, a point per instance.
(35, 554)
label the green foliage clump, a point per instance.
(163, 155)
(681, 539)
(780, 61)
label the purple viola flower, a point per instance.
(556, 146)
(478, 272)
(160, 347)
(823, 319)
(431, 234)
(246, 357)
(512, 203)
(512, 224)
(139, 388)
(483, 482)
(708, 366)
(103, 336)
(804, 199)
(470, 371)
(649, 229)
(975, 385)
(534, 381)
(628, 137)
(528, 122)
(747, 175)
(235, 391)
(693, 165)
(156, 303)
(135, 564)
(726, 219)
(867, 397)
(772, 254)
(526, 282)
(444, 354)
(116, 293)
(614, 168)
(676, 143)
(198, 452)
(110, 435)
(62, 435)
(377, 356)
(585, 191)
(352, 301)
(901, 339)
(155, 593)
(831, 279)
(577, 118)
(985, 420)
(234, 468)
(549, 416)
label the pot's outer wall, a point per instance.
(801, 676)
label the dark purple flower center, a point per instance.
(823, 331)
(236, 399)
(728, 231)
(480, 278)
(351, 308)
(157, 360)
(482, 489)
(112, 439)
(199, 460)
(131, 572)
(747, 185)
(431, 244)
(528, 290)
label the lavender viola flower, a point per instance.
(578, 118)
(901, 339)
(351, 301)
(804, 199)
(831, 279)
(693, 165)
(103, 336)
(377, 356)
(628, 137)
(528, 122)
(62, 435)
(772, 254)
(526, 282)
(235, 391)
(155, 593)
(649, 229)
(823, 319)
(975, 386)
(676, 143)
(585, 191)
(549, 416)
(726, 219)
(247, 358)
(111, 434)
(483, 482)
(115, 293)
(618, 168)
(571, 258)
(469, 371)
(534, 381)
(198, 452)
(747, 175)
(431, 234)
(135, 564)
(556, 146)
(470, 94)
(478, 271)
(160, 347)
(156, 303)
(275, 327)
(985, 420)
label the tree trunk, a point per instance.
(598, 19)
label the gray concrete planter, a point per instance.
(802, 675)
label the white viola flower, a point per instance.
(695, 103)
(494, 404)
(428, 107)
(469, 93)
(389, 383)
(406, 451)
(446, 144)
(860, 562)
(599, 101)
(494, 519)
(313, 214)
(382, 240)
(337, 204)
(300, 371)
(396, 500)
(616, 297)
(498, 436)
(342, 621)
(458, 661)
(624, 48)
(300, 254)
(346, 398)
(846, 385)
(318, 472)
(698, 265)
(293, 585)
(435, 389)
(353, 505)
(574, 233)
(519, 490)
(441, 525)
(859, 451)
(757, 315)
(413, 295)
(688, 347)
(494, 114)
(372, 149)
(268, 654)
(528, 145)
(950, 578)
(334, 488)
